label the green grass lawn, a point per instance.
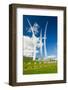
(39, 67)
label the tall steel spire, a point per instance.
(34, 40)
(41, 44)
(45, 51)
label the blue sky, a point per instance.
(51, 41)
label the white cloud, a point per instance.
(28, 46)
(29, 43)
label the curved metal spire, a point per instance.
(45, 51)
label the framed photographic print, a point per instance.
(37, 44)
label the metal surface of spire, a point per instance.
(45, 51)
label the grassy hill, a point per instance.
(39, 67)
